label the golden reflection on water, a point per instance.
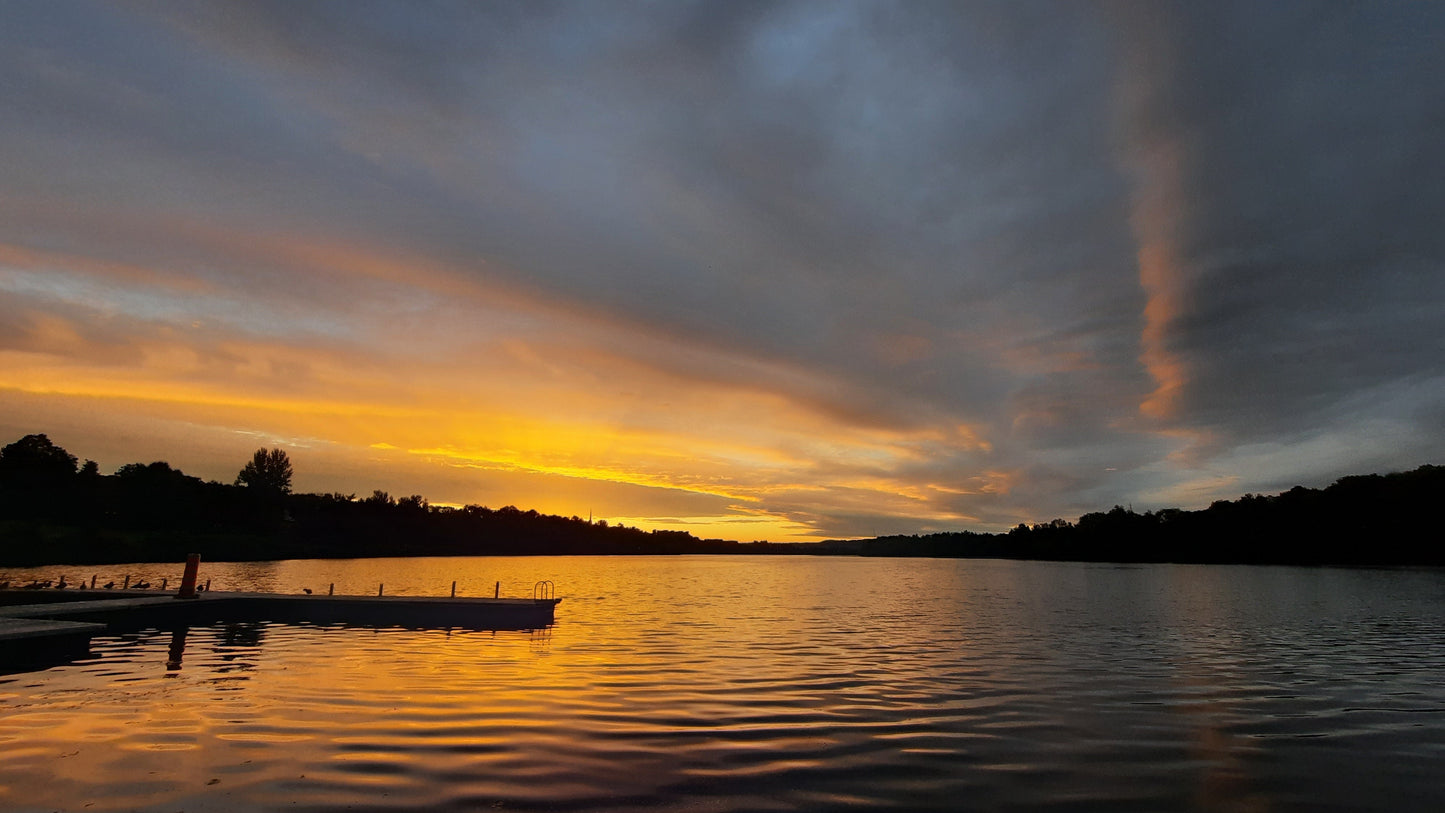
(220, 710)
(756, 683)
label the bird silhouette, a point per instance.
(306, 590)
(110, 585)
(141, 586)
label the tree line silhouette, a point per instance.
(56, 510)
(1368, 519)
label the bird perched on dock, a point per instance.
(110, 585)
(141, 586)
(306, 590)
(61, 585)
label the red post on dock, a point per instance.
(188, 581)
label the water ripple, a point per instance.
(767, 684)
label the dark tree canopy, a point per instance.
(34, 460)
(267, 471)
(152, 512)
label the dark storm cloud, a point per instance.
(906, 216)
(795, 179)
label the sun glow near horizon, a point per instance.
(497, 428)
(808, 273)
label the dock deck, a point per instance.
(27, 643)
(48, 621)
(22, 629)
(150, 607)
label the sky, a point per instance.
(784, 271)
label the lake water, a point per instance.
(762, 683)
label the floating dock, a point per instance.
(37, 641)
(148, 608)
(55, 622)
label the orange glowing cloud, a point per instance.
(1155, 157)
(549, 400)
(1168, 371)
(1158, 207)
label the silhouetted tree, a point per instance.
(33, 461)
(379, 498)
(152, 512)
(154, 495)
(267, 471)
(37, 479)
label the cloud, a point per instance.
(1286, 206)
(845, 267)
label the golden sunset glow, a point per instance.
(708, 405)
(824, 280)
(549, 418)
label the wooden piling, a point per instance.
(378, 588)
(92, 582)
(127, 582)
(454, 589)
(331, 589)
(188, 579)
(498, 593)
